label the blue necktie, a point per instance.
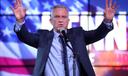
(65, 60)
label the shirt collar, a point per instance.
(56, 34)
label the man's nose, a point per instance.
(60, 20)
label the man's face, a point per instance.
(59, 18)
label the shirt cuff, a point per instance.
(18, 26)
(109, 24)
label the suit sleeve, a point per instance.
(31, 39)
(95, 35)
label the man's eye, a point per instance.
(60, 16)
(64, 16)
(56, 16)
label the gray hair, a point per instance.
(58, 6)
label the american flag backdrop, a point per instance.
(17, 58)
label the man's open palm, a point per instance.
(19, 11)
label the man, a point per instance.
(49, 60)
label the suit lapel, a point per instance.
(45, 56)
(71, 37)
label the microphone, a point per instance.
(63, 32)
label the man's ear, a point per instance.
(68, 19)
(50, 20)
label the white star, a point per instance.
(7, 11)
(54, 2)
(27, 3)
(100, 9)
(46, 5)
(73, 8)
(6, 32)
(37, 21)
(38, 25)
(36, 11)
(86, 1)
(78, 5)
(63, 0)
(33, 11)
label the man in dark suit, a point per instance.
(49, 60)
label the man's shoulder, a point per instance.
(43, 31)
(76, 29)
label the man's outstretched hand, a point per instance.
(19, 11)
(110, 11)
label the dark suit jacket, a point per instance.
(79, 38)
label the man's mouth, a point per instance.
(61, 24)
